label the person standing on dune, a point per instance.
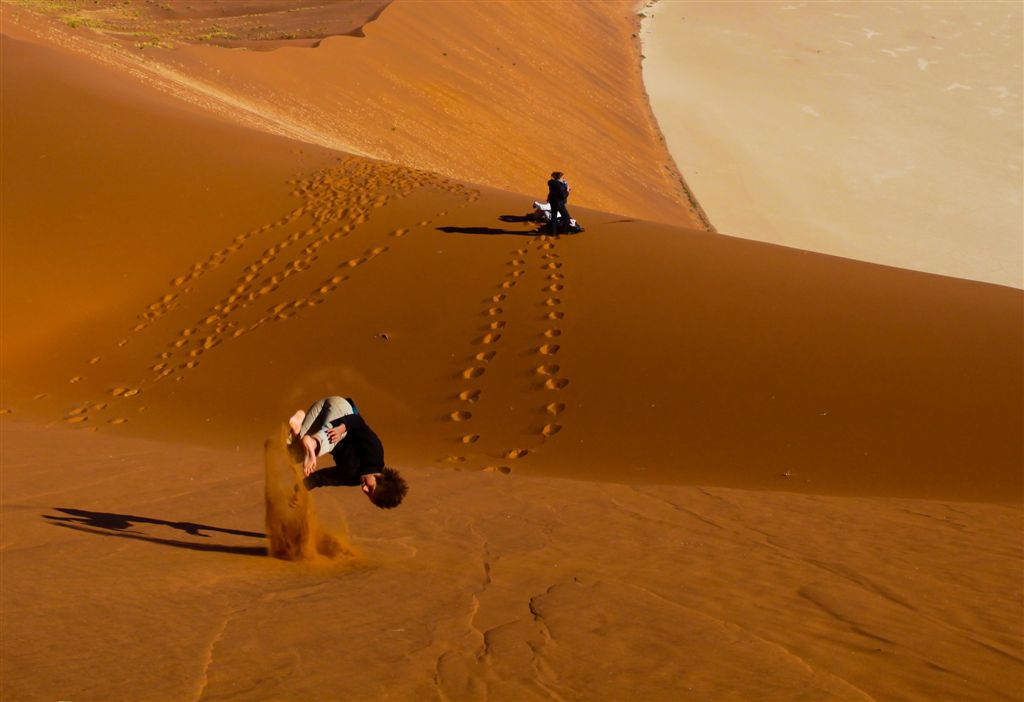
(558, 195)
(333, 425)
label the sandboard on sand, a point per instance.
(293, 532)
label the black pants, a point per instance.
(558, 208)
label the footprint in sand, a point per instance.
(555, 315)
(4, 410)
(516, 262)
(498, 298)
(117, 420)
(77, 419)
(508, 284)
(400, 232)
(516, 453)
(550, 369)
(555, 408)
(555, 383)
(549, 349)
(470, 438)
(552, 302)
(76, 379)
(554, 287)
(490, 338)
(552, 333)
(516, 273)
(550, 430)
(497, 469)
(40, 396)
(485, 355)
(473, 372)
(469, 395)
(494, 311)
(94, 360)
(552, 266)
(460, 416)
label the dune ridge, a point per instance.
(419, 95)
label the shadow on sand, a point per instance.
(119, 525)
(484, 230)
(541, 228)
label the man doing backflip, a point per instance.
(333, 425)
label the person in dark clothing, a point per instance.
(333, 425)
(558, 195)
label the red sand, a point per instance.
(175, 285)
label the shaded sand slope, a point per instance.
(487, 92)
(486, 586)
(105, 183)
(636, 352)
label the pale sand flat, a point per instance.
(885, 132)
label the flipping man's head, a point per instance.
(385, 489)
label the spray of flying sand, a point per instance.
(293, 530)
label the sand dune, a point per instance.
(455, 88)
(606, 435)
(721, 361)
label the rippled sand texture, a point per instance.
(486, 586)
(885, 132)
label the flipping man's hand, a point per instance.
(336, 434)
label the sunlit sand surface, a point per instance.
(645, 462)
(886, 132)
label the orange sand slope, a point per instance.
(636, 352)
(174, 285)
(141, 576)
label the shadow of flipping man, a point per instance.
(120, 525)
